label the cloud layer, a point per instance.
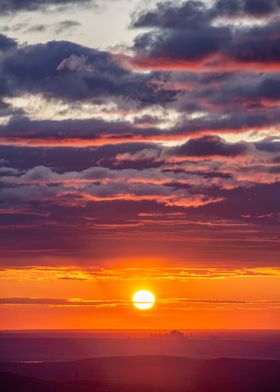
(12, 6)
(167, 150)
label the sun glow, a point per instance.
(143, 300)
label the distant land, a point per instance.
(46, 346)
(142, 373)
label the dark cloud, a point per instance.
(187, 32)
(6, 43)
(244, 91)
(92, 132)
(63, 159)
(194, 13)
(11, 6)
(249, 203)
(247, 7)
(211, 145)
(190, 45)
(190, 14)
(268, 145)
(7, 110)
(64, 70)
(256, 44)
(232, 121)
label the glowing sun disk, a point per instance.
(143, 300)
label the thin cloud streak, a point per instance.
(154, 273)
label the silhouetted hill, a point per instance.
(10, 382)
(147, 373)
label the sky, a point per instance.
(139, 149)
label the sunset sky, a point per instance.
(139, 149)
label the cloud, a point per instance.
(170, 302)
(169, 153)
(257, 8)
(63, 70)
(66, 25)
(193, 14)
(256, 45)
(190, 46)
(177, 273)
(12, 6)
(57, 28)
(268, 145)
(62, 302)
(37, 28)
(93, 132)
(187, 33)
(101, 184)
(218, 186)
(6, 43)
(211, 145)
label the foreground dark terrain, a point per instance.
(142, 373)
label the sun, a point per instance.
(143, 300)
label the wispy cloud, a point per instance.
(133, 273)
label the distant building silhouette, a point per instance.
(173, 334)
(176, 334)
